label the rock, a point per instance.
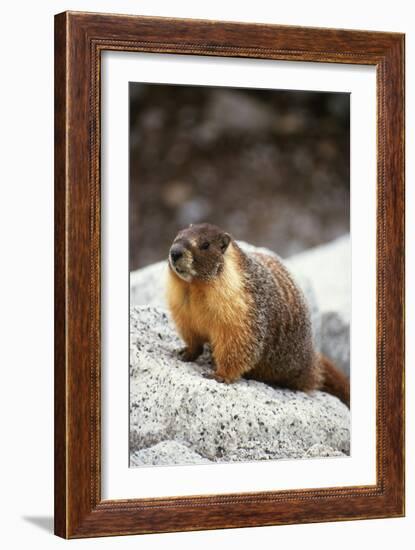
(166, 453)
(320, 451)
(328, 271)
(180, 417)
(147, 285)
(328, 267)
(172, 401)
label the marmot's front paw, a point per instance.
(217, 377)
(222, 379)
(187, 354)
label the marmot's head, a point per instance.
(197, 252)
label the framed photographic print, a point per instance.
(229, 275)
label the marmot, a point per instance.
(250, 310)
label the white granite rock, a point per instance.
(147, 285)
(179, 417)
(328, 270)
(166, 453)
(172, 401)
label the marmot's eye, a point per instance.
(204, 246)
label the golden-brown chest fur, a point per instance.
(210, 308)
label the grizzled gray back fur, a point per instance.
(280, 322)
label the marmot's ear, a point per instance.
(225, 239)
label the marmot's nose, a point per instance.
(176, 252)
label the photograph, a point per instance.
(229, 277)
(240, 274)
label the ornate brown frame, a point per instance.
(79, 40)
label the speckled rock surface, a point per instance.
(173, 405)
(165, 454)
(147, 286)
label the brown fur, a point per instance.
(249, 309)
(334, 381)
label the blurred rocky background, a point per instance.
(271, 167)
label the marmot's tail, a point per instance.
(334, 381)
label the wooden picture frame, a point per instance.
(79, 40)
